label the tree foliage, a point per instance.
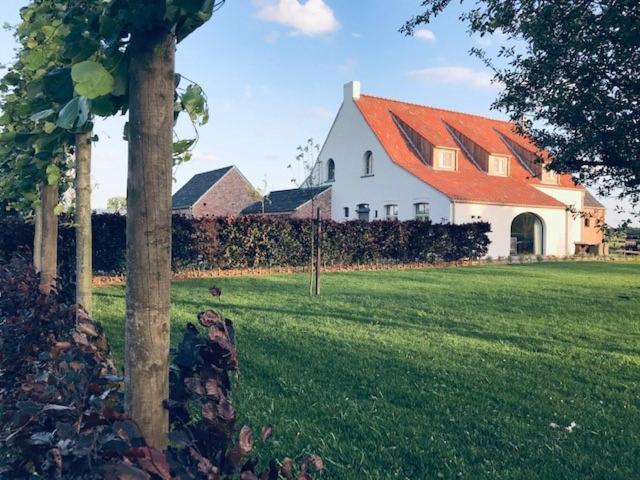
(572, 69)
(72, 66)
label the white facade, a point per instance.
(348, 141)
(554, 226)
(351, 137)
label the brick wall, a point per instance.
(227, 198)
(593, 234)
(322, 201)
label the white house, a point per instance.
(387, 159)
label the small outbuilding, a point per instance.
(294, 203)
(219, 193)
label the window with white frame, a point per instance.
(549, 177)
(498, 165)
(391, 212)
(445, 159)
(422, 211)
(368, 163)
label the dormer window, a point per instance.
(331, 170)
(499, 165)
(549, 177)
(445, 159)
(368, 163)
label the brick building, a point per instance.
(219, 193)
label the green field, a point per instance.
(451, 373)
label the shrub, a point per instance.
(257, 242)
(61, 408)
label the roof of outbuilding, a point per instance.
(469, 183)
(284, 201)
(196, 187)
(591, 201)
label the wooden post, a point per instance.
(37, 238)
(49, 238)
(311, 262)
(84, 250)
(318, 250)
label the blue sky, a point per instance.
(273, 71)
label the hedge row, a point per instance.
(254, 242)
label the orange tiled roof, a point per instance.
(469, 183)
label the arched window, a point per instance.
(368, 163)
(527, 235)
(331, 170)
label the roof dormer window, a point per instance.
(499, 165)
(549, 177)
(445, 159)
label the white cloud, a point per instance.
(426, 35)
(312, 17)
(456, 75)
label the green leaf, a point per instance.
(182, 146)
(34, 59)
(91, 79)
(74, 114)
(58, 84)
(36, 117)
(53, 174)
(194, 103)
(102, 106)
(49, 127)
(69, 114)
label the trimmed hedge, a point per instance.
(259, 242)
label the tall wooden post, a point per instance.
(49, 238)
(311, 262)
(84, 250)
(37, 238)
(318, 249)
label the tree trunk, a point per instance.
(37, 238)
(151, 91)
(49, 244)
(84, 261)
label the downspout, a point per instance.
(566, 232)
(452, 213)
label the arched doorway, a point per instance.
(527, 235)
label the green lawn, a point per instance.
(452, 373)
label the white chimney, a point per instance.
(352, 91)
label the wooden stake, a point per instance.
(319, 250)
